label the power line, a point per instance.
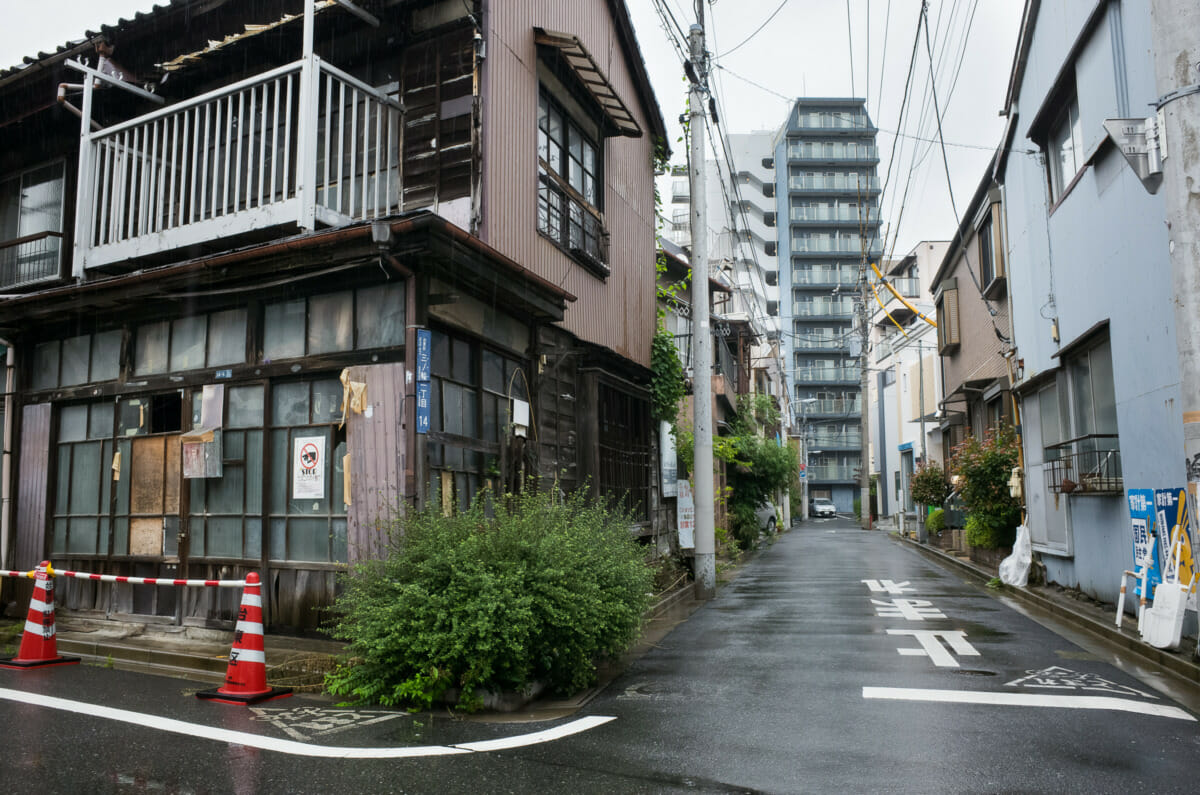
(755, 33)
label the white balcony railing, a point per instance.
(299, 144)
(829, 374)
(828, 308)
(839, 276)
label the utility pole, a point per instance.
(1176, 46)
(705, 559)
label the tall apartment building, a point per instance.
(827, 195)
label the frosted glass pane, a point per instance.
(339, 541)
(187, 343)
(106, 356)
(75, 354)
(81, 538)
(245, 407)
(225, 494)
(253, 539)
(254, 472)
(278, 539)
(100, 421)
(85, 479)
(329, 322)
(289, 404)
(227, 337)
(308, 539)
(326, 401)
(224, 537)
(45, 365)
(58, 544)
(379, 315)
(150, 352)
(283, 330)
(73, 423)
(63, 486)
(121, 537)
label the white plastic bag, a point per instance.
(1014, 570)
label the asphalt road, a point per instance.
(836, 661)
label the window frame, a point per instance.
(580, 231)
(1055, 145)
(21, 241)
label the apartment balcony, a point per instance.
(296, 146)
(825, 277)
(823, 309)
(838, 183)
(833, 215)
(835, 407)
(840, 152)
(834, 120)
(848, 440)
(828, 375)
(821, 342)
(1086, 465)
(832, 473)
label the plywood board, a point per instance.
(145, 536)
(146, 471)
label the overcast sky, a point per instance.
(804, 50)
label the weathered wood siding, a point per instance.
(617, 313)
(32, 496)
(376, 447)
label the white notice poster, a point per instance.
(685, 515)
(670, 466)
(308, 468)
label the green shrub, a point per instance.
(536, 593)
(936, 521)
(928, 485)
(986, 532)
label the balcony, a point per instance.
(835, 407)
(301, 144)
(827, 152)
(847, 440)
(30, 259)
(825, 277)
(830, 244)
(819, 342)
(829, 375)
(834, 120)
(851, 215)
(1086, 465)
(823, 308)
(832, 472)
(853, 183)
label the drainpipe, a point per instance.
(6, 464)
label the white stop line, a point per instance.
(298, 748)
(1025, 700)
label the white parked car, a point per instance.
(822, 507)
(766, 515)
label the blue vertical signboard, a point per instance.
(424, 361)
(1141, 513)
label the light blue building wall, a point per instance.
(1089, 251)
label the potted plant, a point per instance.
(983, 467)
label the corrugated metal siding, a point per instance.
(31, 491)
(617, 313)
(376, 446)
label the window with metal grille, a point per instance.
(625, 460)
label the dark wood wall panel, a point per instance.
(32, 495)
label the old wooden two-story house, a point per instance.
(221, 220)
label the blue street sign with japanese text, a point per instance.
(424, 354)
(423, 407)
(1141, 513)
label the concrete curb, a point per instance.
(1182, 663)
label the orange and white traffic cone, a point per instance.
(39, 643)
(246, 674)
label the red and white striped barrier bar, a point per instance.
(7, 573)
(83, 575)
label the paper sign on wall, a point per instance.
(669, 468)
(308, 468)
(685, 514)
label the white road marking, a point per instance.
(889, 586)
(908, 609)
(291, 746)
(931, 645)
(1025, 700)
